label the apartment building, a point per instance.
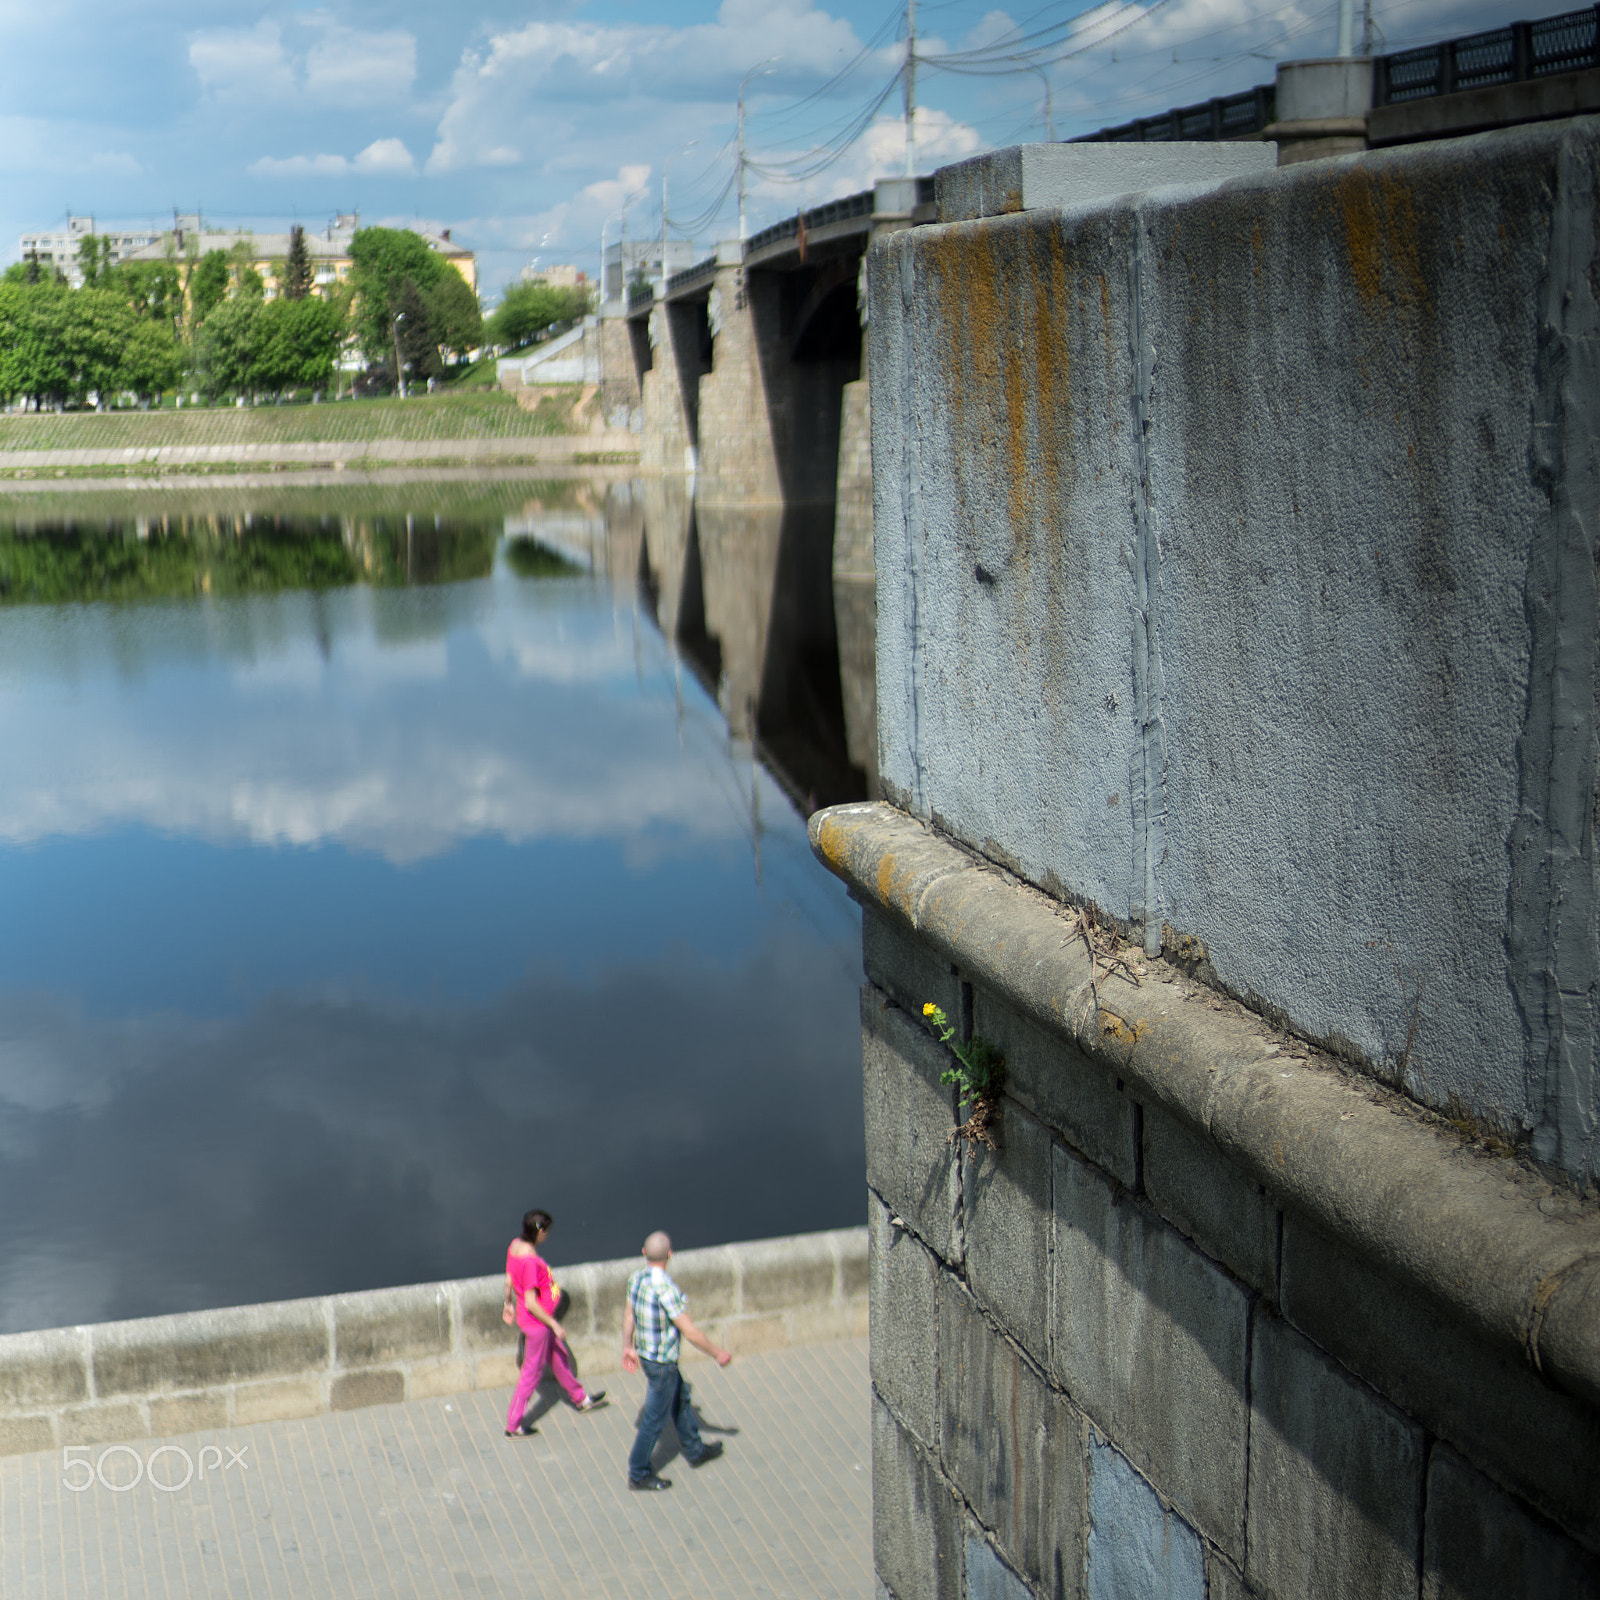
(58, 248)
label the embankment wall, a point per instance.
(1236, 661)
(1236, 557)
(298, 1358)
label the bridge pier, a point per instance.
(679, 345)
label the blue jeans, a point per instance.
(667, 1394)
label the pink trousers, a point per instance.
(542, 1348)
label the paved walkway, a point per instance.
(430, 1498)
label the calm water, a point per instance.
(371, 871)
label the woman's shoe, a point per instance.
(593, 1399)
(523, 1430)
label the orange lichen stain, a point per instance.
(1382, 239)
(1113, 1027)
(1011, 203)
(830, 840)
(1257, 249)
(886, 878)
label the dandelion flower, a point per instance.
(929, 1009)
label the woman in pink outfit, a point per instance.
(530, 1291)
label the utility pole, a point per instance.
(744, 232)
(911, 85)
(1347, 28)
(664, 165)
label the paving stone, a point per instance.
(1055, 1081)
(1138, 1548)
(1481, 1545)
(1012, 1445)
(1151, 1339)
(916, 1527)
(905, 1359)
(1209, 1200)
(1335, 1479)
(909, 1115)
(430, 1498)
(1005, 1197)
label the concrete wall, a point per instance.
(299, 1358)
(1236, 576)
(1215, 1319)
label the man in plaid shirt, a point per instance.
(656, 1318)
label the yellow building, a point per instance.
(328, 248)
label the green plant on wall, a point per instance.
(977, 1075)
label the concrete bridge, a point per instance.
(747, 365)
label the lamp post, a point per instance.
(664, 165)
(765, 68)
(399, 360)
(1049, 109)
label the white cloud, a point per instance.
(34, 146)
(386, 156)
(317, 62)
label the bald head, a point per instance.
(657, 1247)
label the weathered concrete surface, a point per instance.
(1270, 515)
(1036, 177)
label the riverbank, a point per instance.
(478, 414)
(161, 1376)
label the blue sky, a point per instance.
(525, 126)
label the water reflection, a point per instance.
(373, 873)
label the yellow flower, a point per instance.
(929, 1009)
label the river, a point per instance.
(376, 866)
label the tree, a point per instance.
(228, 348)
(297, 276)
(299, 342)
(94, 259)
(381, 261)
(208, 285)
(457, 316)
(527, 309)
(152, 289)
(415, 334)
(152, 361)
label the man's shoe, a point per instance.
(650, 1482)
(710, 1453)
(595, 1397)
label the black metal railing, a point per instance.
(692, 275)
(639, 293)
(1513, 54)
(1229, 116)
(853, 205)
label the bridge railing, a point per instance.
(852, 205)
(692, 275)
(640, 293)
(1512, 54)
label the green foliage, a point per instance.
(153, 289)
(979, 1068)
(208, 285)
(527, 309)
(58, 346)
(250, 346)
(382, 259)
(457, 317)
(414, 333)
(94, 259)
(152, 361)
(297, 273)
(251, 284)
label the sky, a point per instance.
(526, 126)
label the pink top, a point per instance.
(529, 1272)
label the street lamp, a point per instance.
(1049, 110)
(664, 165)
(766, 68)
(399, 362)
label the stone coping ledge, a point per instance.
(1403, 1191)
(105, 1382)
(529, 446)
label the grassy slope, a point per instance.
(477, 414)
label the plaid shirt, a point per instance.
(655, 1300)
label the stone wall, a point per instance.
(1236, 651)
(1214, 1313)
(1269, 510)
(298, 1358)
